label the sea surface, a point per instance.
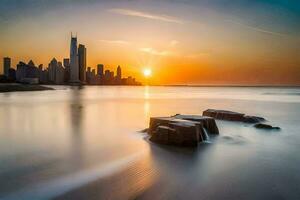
(84, 143)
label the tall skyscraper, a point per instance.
(74, 69)
(6, 65)
(100, 69)
(119, 73)
(82, 63)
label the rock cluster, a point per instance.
(232, 116)
(181, 130)
(240, 117)
(265, 126)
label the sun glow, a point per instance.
(147, 72)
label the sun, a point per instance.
(147, 72)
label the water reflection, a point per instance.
(76, 117)
(72, 137)
(146, 92)
(76, 111)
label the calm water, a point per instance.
(83, 144)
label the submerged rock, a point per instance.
(253, 119)
(266, 126)
(181, 130)
(232, 116)
(208, 123)
(144, 130)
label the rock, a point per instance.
(144, 130)
(232, 116)
(181, 130)
(266, 126)
(253, 119)
(208, 123)
(224, 115)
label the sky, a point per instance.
(232, 42)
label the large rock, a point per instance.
(265, 126)
(208, 123)
(232, 116)
(181, 130)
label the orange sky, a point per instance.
(182, 43)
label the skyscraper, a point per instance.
(100, 69)
(6, 65)
(82, 63)
(74, 69)
(119, 73)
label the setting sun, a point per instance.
(147, 72)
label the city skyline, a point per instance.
(183, 42)
(72, 71)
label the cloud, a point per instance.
(256, 28)
(134, 13)
(119, 42)
(155, 52)
(198, 55)
(174, 43)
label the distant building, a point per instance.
(88, 75)
(11, 74)
(52, 70)
(6, 65)
(56, 72)
(31, 63)
(74, 69)
(40, 67)
(66, 62)
(43, 75)
(82, 63)
(21, 71)
(27, 73)
(67, 69)
(100, 68)
(119, 75)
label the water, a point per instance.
(84, 143)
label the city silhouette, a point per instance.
(72, 71)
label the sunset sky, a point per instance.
(182, 41)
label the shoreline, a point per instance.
(16, 87)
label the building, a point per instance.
(11, 74)
(100, 68)
(21, 71)
(82, 63)
(67, 69)
(6, 65)
(27, 73)
(56, 72)
(52, 70)
(119, 75)
(109, 77)
(66, 62)
(74, 69)
(59, 74)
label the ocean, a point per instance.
(85, 143)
